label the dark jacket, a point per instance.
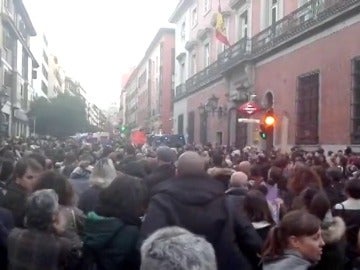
(37, 250)
(333, 256)
(221, 174)
(111, 243)
(198, 204)
(89, 199)
(80, 185)
(6, 225)
(158, 175)
(236, 197)
(15, 201)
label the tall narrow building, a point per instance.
(18, 66)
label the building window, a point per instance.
(44, 88)
(191, 127)
(182, 72)
(356, 100)
(44, 72)
(207, 54)
(181, 124)
(219, 138)
(45, 58)
(183, 31)
(194, 17)
(193, 64)
(243, 25)
(207, 5)
(142, 79)
(274, 11)
(308, 109)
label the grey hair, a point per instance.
(103, 173)
(40, 209)
(174, 248)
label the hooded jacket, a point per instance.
(290, 260)
(111, 243)
(197, 203)
(333, 235)
(158, 175)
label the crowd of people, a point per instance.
(74, 205)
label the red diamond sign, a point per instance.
(249, 108)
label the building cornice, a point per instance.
(25, 15)
(180, 9)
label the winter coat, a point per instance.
(80, 185)
(221, 174)
(6, 225)
(262, 228)
(291, 260)
(236, 197)
(158, 175)
(15, 201)
(349, 211)
(198, 204)
(38, 250)
(333, 256)
(110, 243)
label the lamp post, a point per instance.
(211, 106)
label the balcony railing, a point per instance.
(308, 17)
(311, 14)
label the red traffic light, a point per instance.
(269, 120)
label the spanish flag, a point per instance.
(220, 28)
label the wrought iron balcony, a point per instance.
(313, 14)
(307, 20)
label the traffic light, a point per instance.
(123, 129)
(267, 124)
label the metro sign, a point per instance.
(249, 108)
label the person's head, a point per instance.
(334, 174)
(256, 173)
(26, 173)
(41, 210)
(70, 159)
(165, 155)
(321, 172)
(174, 248)
(58, 183)
(218, 158)
(275, 175)
(190, 163)
(129, 150)
(256, 207)
(244, 166)
(39, 158)
(239, 179)
(316, 202)
(352, 188)
(103, 173)
(124, 198)
(299, 231)
(303, 178)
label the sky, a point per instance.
(97, 42)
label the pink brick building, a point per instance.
(149, 89)
(300, 57)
